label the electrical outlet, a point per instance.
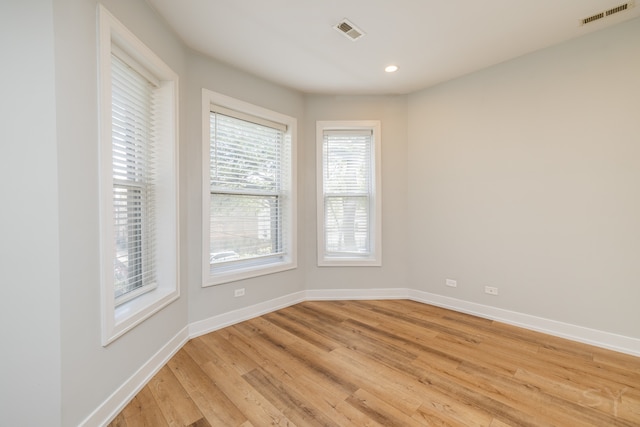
(490, 290)
(238, 292)
(452, 283)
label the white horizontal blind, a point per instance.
(133, 161)
(347, 191)
(246, 181)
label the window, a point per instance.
(134, 187)
(349, 218)
(248, 190)
(138, 180)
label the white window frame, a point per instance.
(374, 256)
(239, 270)
(120, 317)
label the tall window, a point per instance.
(348, 193)
(249, 191)
(138, 180)
(134, 184)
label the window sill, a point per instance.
(349, 262)
(131, 313)
(242, 273)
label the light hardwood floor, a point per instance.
(386, 363)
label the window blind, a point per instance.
(246, 185)
(133, 165)
(347, 190)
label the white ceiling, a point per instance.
(293, 42)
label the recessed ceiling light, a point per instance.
(391, 69)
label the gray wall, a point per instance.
(210, 74)
(90, 372)
(29, 253)
(525, 176)
(392, 113)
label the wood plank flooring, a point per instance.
(386, 363)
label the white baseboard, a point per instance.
(115, 403)
(356, 294)
(581, 334)
(236, 316)
(121, 397)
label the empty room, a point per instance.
(320, 213)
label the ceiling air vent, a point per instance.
(617, 9)
(593, 18)
(606, 13)
(349, 30)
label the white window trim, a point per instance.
(289, 261)
(117, 320)
(375, 257)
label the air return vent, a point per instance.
(606, 13)
(349, 30)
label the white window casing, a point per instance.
(348, 193)
(249, 191)
(138, 180)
